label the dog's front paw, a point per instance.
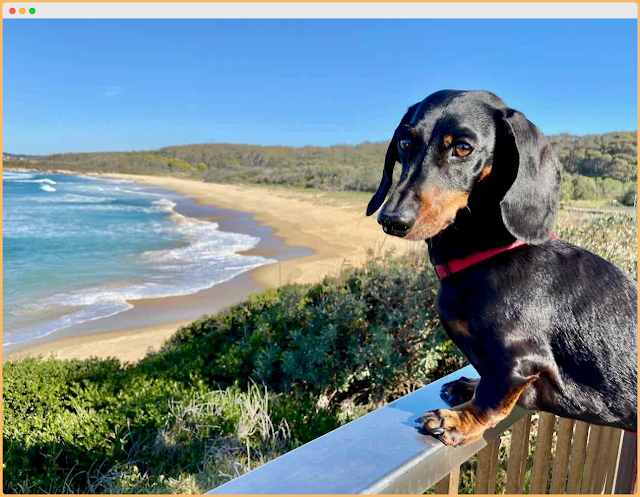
(452, 427)
(459, 391)
(442, 424)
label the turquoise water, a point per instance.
(77, 248)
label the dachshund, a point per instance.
(548, 326)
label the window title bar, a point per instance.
(325, 10)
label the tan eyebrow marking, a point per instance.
(447, 140)
(485, 172)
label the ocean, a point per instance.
(77, 248)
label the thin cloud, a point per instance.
(112, 91)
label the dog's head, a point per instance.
(456, 142)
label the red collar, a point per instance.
(450, 267)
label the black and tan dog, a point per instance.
(546, 324)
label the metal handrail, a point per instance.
(381, 452)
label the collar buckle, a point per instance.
(442, 270)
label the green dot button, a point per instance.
(32, 10)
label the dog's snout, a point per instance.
(397, 224)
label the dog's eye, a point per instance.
(462, 149)
(405, 144)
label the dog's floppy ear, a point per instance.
(387, 176)
(530, 205)
(389, 163)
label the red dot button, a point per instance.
(12, 10)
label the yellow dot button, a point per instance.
(22, 11)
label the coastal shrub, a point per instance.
(203, 438)
(64, 416)
(366, 337)
(630, 197)
(584, 188)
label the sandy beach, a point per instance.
(333, 226)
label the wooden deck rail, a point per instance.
(383, 452)
(569, 457)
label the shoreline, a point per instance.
(169, 310)
(337, 236)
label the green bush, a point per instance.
(609, 187)
(584, 188)
(630, 197)
(364, 336)
(67, 429)
(566, 189)
(64, 416)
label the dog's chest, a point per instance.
(453, 311)
(454, 315)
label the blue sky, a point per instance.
(98, 85)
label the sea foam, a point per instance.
(96, 219)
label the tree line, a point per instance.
(595, 166)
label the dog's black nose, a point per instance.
(396, 224)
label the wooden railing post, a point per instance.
(518, 456)
(600, 473)
(449, 484)
(589, 459)
(563, 453)
(614, 458)
(542, 456)
(626, 482)
(487, 468)
(593, 451)
(577, 457)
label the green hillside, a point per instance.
(610, 157)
